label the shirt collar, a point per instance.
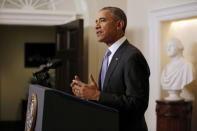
(116, 45)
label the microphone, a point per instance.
(53, 64)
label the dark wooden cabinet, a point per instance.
(174, 115)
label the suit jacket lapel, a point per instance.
(114, 62)
(110, 70)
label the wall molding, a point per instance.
(39, 12)
(37, 17)
(185, 10)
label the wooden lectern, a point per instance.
(53, 110)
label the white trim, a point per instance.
(185, 10)
(36, 17)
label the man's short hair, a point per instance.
(119, 14)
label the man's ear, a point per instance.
(120, 24)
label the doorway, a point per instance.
(15, 76)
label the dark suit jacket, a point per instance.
(126, 87)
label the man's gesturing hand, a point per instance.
(85, 91)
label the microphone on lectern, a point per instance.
(53, 64)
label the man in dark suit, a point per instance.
(124, 83)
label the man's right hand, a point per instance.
(85, 91)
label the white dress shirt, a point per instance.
(113, 48)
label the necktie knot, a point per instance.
(108, 53)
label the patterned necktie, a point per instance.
(104, 67)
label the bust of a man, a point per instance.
(178, 72)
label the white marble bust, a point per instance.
(178, 72)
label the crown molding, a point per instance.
(36, 17)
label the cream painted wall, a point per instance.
(14, 77)
(184, 30)
(137, 13)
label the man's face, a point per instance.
(106, 27)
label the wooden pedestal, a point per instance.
(173, 115)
